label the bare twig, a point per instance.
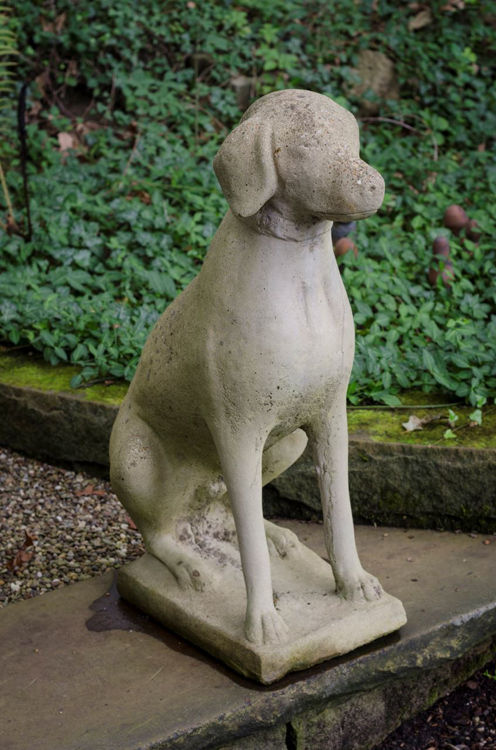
(384, 407)
(406, 126)
(110, 106)
(21, 128)
(491, 410)
(197, 99)
(214, 119)
(392, 121)
(87, 109)
(131, 157)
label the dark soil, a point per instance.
(463, 720)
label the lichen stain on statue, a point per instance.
(249, 362)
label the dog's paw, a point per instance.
(281, 542)
(265, 627)
(359, 587)
(188, 575)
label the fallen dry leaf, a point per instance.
(131, 523)
(43, 82)
(88, 126)
(72, 69)
(46, 25)
(90, 490)
(66, 141)
(424, 18)
(54, 27)
(24, 553)
(414, 423)
(60, 22)
(34, 109)
(418, 423)
(453, 5)
(11, 225)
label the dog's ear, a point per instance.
(245, 168)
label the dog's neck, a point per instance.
(275, 219)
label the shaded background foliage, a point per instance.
(127, 106)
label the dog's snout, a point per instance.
(357, 191)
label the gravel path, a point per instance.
(59, 526)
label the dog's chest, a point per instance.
(311, 341)
(290, 352)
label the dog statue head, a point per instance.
(301, 148)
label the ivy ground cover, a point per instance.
(127, 104)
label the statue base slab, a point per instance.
(321, 624)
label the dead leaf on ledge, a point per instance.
(424, 18)
(414, 423)
(417, 423)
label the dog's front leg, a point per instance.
(328, 435)
(240, 455)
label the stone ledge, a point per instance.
(407, 485)
(390, 483)
(84, 671)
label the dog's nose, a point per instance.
(369, 186)
(358, 191)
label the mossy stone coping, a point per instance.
(396, 477)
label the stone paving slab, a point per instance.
(321, 625)
(81, 670)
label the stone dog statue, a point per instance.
(253, 357)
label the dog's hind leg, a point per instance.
(276, 459)
(155, 490)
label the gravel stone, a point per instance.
(57, 527)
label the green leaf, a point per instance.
(476, 416)
(76, 381)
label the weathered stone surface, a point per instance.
(275, 739)
(55, 425)
(361, 721)
(83, 671)
(420, 486)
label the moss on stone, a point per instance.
(31, 371)
(385, 425)
(380, 425)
